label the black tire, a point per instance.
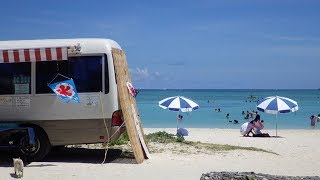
(38, 151)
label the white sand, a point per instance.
(299, 154)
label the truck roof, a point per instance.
(88, 45)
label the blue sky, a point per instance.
(188, 44)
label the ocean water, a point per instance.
(229, 101)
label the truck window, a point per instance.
(15, 78)
(106, 75)
(86, 72)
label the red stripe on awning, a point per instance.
(5, 56)
(59, 54)
(48, 54)
(26, 55)
(37, 54)
(16, 55)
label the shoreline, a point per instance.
(317, 127)
(298, 155)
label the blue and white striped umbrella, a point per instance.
(178, 103)
(277, 104)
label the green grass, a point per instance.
(164, 137)
(123, 139)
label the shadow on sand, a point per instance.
(73, 155)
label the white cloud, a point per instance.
(139, 74)
(143, 75)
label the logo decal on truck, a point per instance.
(74, 50)
(66, 90)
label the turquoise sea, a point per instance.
(229, 101)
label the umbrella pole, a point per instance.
(277, 125)
(178, 120)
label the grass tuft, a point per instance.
(123, 139)
(164, 137)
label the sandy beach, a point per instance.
(298, 155)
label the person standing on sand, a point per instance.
(312, 120)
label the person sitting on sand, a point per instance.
(258, 125)
(247, 128)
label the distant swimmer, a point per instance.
(227, 116)
(235, 122)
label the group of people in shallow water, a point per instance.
(248, 115)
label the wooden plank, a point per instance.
(133, 101)
(122, 77)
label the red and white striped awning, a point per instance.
(36, 54)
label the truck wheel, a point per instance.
(37, 151)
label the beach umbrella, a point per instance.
(277, 105)
(178, 103)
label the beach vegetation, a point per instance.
(167, 138)
(122, 140)
(164, 137)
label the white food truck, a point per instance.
(33, 118)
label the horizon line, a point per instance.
(226, 89)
